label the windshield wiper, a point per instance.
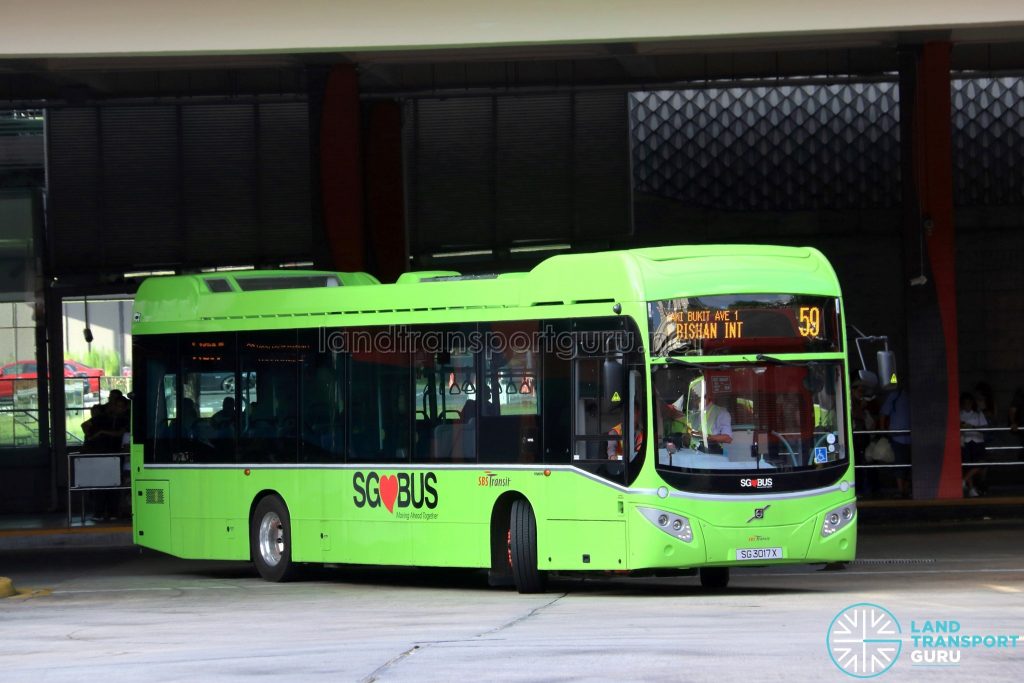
(771, 360)
(700, 366)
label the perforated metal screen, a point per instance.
(988, 141)
(175, 185)
(817, 146)
(493, 171)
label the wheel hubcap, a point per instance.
(272, 545)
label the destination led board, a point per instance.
(743, 323)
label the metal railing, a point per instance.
(988, 448)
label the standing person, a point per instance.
(895, 416)
(972, 443)
(986, 404)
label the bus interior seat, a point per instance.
(441, 444)
(502, 438)
(464, 441)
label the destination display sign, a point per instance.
(743, 323)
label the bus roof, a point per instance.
(238, 299)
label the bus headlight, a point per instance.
(838, 518)
(676, 526)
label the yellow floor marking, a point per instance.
(28, 593)
(1002, 589)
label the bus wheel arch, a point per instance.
(270, 537)
(514, 558)
(500, 573)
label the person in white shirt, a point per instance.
(972, 443)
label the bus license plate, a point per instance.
(759, 553)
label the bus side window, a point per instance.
(599, 409)
(557, 403)
(322, 382)
(445, 399)
(509, 398)
(380, 396)
(155, 423)
(206, 421)
(269, 397)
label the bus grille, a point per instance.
(154, 496)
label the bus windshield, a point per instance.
(774, 417)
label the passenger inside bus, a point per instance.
(615, 445)
(223, 420)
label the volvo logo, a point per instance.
(758, 513)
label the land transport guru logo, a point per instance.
(408, 493)
(865, 640)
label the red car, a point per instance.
(93, 374)
(26, 370)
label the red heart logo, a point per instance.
(389, 491)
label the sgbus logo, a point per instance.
(759, 483)
(401, 490)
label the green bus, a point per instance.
(654, 411)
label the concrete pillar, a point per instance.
(341, 172)
(385, 219)
(929, 249)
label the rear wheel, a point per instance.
(522, 549)
(714, 578)
(270, 540)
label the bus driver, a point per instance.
(715, 428)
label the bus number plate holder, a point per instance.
(743, 554)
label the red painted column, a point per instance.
(930, 246)
(341, 172)
(385, 218)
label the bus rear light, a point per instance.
(676, 526)
(838, 518)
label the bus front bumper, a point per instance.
(656, 541)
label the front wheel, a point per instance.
(522, 549)
(270, 539)
(714, 578)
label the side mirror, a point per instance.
(887, 369)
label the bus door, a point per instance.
(610, 425)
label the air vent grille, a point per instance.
(154, 496)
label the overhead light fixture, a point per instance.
(458, 254)
(147, 273)
(225, 269)
(532, 248)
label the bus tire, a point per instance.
(523, 549)
(714, 578)
(270, 539)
